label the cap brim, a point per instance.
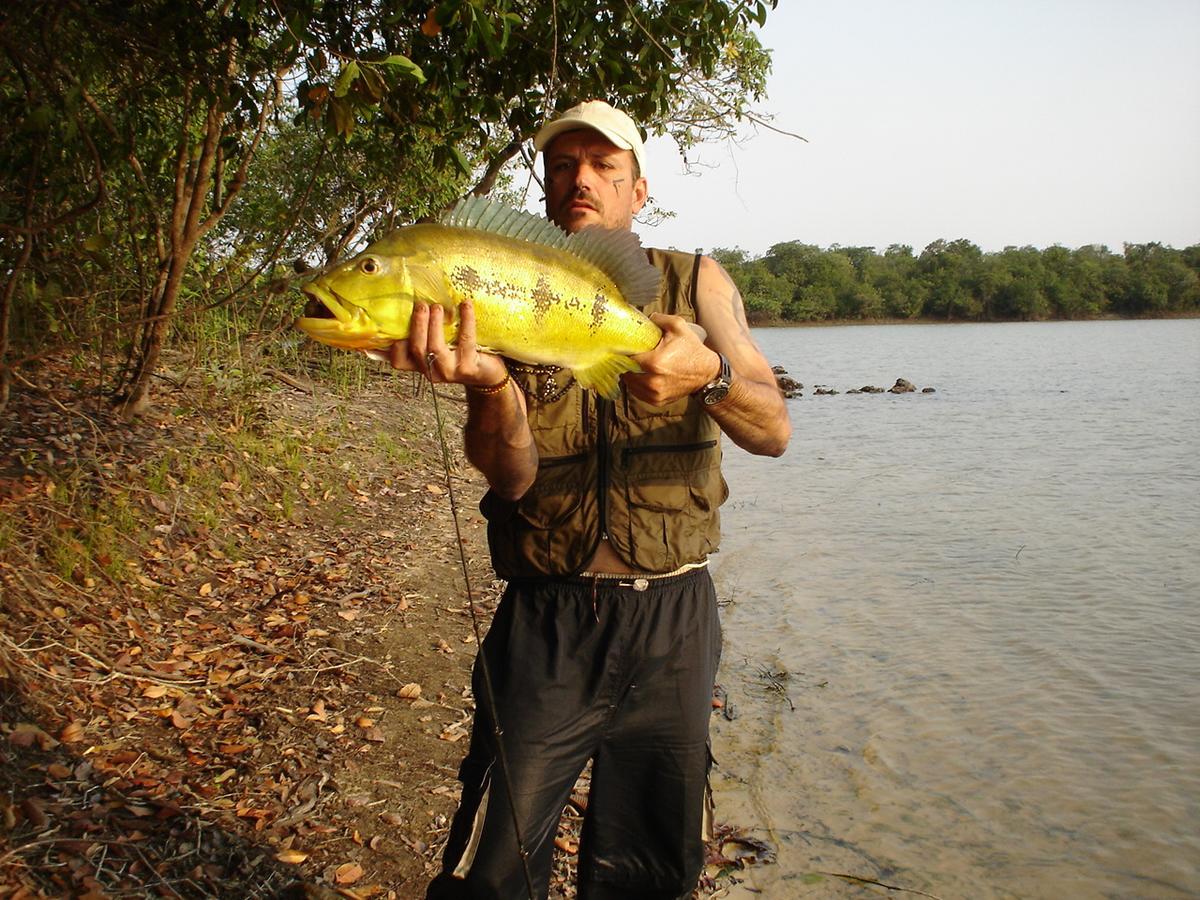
(551, 130)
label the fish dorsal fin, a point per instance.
(619, 255)
(489, 215)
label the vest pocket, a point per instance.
(671, 495)
(641, 411)
(689, 488)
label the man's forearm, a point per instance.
(754, 417)
(498, 441)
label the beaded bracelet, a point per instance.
(491, 389)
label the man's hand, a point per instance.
(464, 363)
(497, 438)
(753, 413)
(680, 365)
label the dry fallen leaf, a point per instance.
(410, 691)
(434, 489)
(155, 691)
(73, 733)
(35, 814)
(348, 873)
(364, 722)
(27, 734)
(206, 589)
(291, 856)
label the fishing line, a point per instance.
(497, 731)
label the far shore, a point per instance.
(928, 320)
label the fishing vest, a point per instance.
(647, 477)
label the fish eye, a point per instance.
(369, 266)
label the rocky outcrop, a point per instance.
(788, 386)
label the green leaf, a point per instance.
(460, 160)
(406, 66)
(489, 36)
(343, 117)
(372, 84)
(345, 79)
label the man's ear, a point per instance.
(641, 192)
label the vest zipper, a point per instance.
(552, 461)
(627, 452)
(602, 416)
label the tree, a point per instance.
(895, 277)
(1159, 281)
(950, 270)
(861, 298)
(765, 294)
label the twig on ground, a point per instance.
(882, 884)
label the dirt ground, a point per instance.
(235, 640)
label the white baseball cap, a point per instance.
(598, 116)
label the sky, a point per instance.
(1004, 122)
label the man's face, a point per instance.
(590, 181)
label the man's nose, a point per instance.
(584, 177)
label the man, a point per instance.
(601, 516)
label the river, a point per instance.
(962, 628)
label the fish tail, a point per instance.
(603, 376)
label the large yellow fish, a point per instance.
(540, 295)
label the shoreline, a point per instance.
(926, 320)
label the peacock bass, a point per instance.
(541, 296)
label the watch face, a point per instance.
(716, 394)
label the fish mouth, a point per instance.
(325, 304)
(329, 318)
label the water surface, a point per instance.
(985, 601)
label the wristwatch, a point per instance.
(717, 389)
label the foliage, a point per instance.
(162, 160)
(956, 280)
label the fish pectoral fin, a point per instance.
(602, 376)
(429, 285)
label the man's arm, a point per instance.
(754, 414)
(497, 437)
(498, 440)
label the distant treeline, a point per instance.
(956, 280)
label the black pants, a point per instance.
(583, 670)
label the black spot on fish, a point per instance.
(598, 310)
(466, 280)
(543, 298)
